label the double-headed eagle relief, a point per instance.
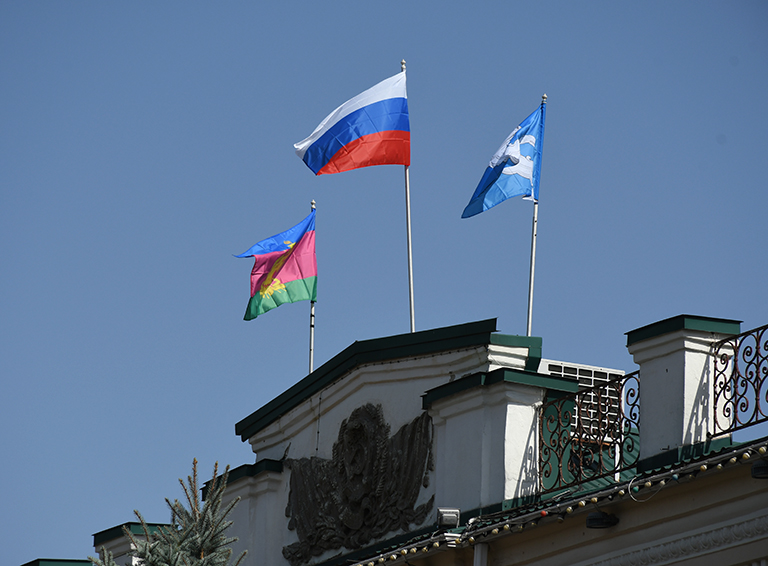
(366, 490)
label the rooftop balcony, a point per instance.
(589, 435)
(740, 388)
(592, 437)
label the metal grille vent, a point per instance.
(589, 377)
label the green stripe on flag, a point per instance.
(291, 292)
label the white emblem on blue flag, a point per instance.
(514, 169)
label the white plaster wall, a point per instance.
(259, 520)
(676, 401)
(486, 445)
(311, 429)
(662, 390)
(119, 547)
(521, 443)
(458, 446)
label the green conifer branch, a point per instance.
(196, 536)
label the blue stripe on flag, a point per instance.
(278, 242)
(382, 116)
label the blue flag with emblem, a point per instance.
(514, 169)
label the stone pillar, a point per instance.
(486, 436)
(261, 488)
(676, 371)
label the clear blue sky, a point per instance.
(142, 144)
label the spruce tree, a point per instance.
(196, 536)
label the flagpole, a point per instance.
(533, 264)
(410, 253)
(312, 327)
(534, 231)
(408, 233)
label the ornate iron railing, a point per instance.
(740, 381)
(589, 435)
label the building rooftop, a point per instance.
(382, 349)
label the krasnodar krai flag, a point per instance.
(514, 169)
(370, 129)
(285, 270)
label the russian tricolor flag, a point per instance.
(370, 129)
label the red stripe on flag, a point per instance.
(392, 147)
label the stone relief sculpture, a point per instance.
(367, 489)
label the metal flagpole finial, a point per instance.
(402, 65)
(543, 98)
(313, 204)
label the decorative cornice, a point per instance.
(501, 375)
(701, 543)
(422, 343)
(683, 322)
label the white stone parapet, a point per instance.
(676, 372)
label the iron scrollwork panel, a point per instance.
(589, 435)
(741, 381)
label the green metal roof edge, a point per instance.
(684, 322)
(57, 562)
(683, 454)
(522, 501)
(500, 375)
(249, 471)
(516, 340)
(363, 352)
(550, 382)
(382, 546)
(532, 503)
(355, 556)
(115, 532)
(533, 343)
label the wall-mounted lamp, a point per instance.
(448, 517)
(601, 520)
